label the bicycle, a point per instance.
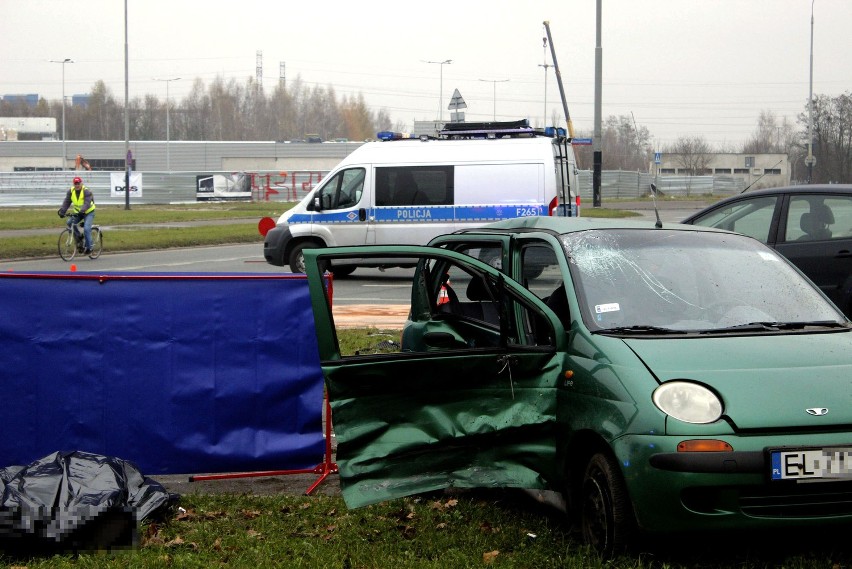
(72, 241)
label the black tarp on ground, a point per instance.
(76, 501)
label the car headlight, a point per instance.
(688, 402)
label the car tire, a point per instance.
(606, 516)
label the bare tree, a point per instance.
(624, 145)
(226, 110)
(690, 153)
(147, 121)
(771, 135)
(282, 109)
(193, 116)
(357, 120)
(832, 118)
(225, 107)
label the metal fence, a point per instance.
(49, 187)
(620, 184)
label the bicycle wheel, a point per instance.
(67, 246)
(97, 243)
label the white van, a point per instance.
(407, 191)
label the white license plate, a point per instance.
(831, 463)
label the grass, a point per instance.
(45, 218)
(364, 340)
(137, 240)
(286, 531)
(458, 530)
(134, 235)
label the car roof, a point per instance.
(822, 189)
(562, 225)
(801, 189)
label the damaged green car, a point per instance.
(662, 379)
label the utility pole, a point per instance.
(64, 152)
(597, 144)
(810, 161)
(127, 154)
(494, 81)
(441, 87)
(169, 80)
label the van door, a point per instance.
(466, 396)
(338, 210)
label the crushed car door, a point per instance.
(467, 395)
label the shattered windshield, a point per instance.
(665, 281)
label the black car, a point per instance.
(810, 225)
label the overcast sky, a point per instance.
(680, 67)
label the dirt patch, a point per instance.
(291, 485)
(390, 316)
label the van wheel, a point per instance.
(297, 258)
(606, 517)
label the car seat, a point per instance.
(558, 303)
(815, 223)
(479, 303)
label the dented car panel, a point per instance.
(425, 419)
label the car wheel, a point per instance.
(297, 258)
(606, 517)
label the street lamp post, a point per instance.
(494, 81)
(810, 161)
(441, 87)
(63, 62)
(167, 81)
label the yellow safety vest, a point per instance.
(78, 199)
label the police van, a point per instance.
(407, 190)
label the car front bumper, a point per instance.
(673, 491)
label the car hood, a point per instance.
(765, 381)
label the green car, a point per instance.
(661, 378)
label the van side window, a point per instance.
(414, 185)
(343, 190)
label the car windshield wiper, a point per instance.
(639, 329)
(778, 326)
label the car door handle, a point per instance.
(843, 254)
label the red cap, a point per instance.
(78, 180)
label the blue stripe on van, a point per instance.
(428, 214)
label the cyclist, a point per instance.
(82, 204)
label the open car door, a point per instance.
(461, 392)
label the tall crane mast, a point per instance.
(559, 80)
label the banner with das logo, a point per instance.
(116, 184)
